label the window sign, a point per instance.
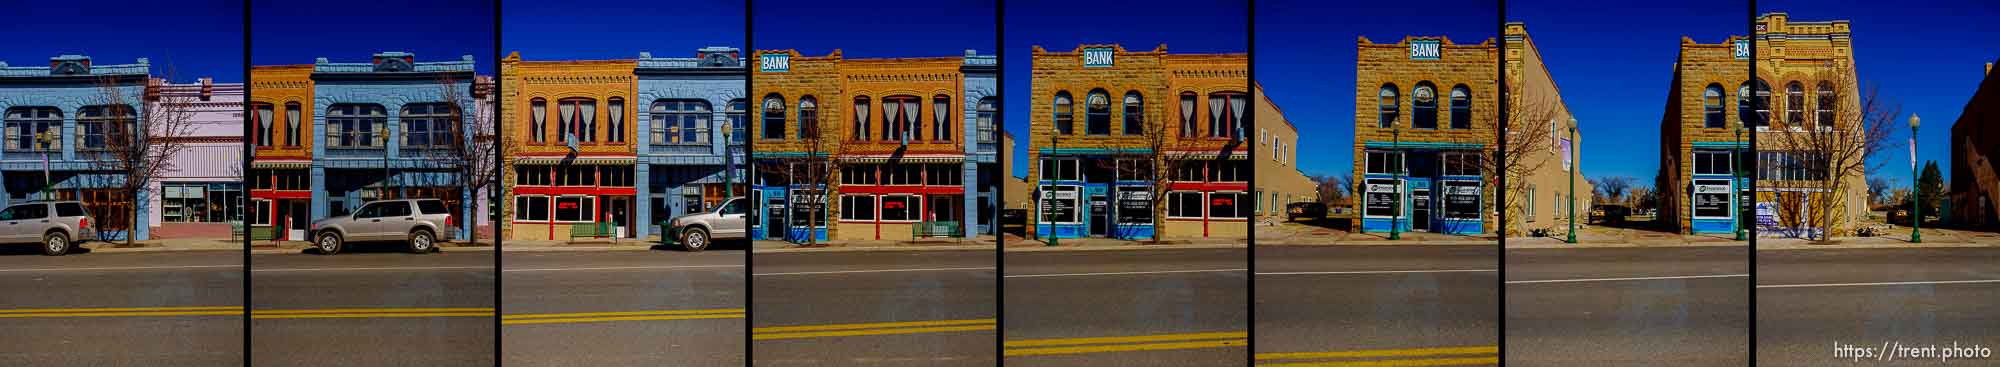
(1382, 198)
(1425, 49)
(1711, 199)
(1135, 205)
(1461, 199)
(1097, 57)
(775, 63)
(1742, 49)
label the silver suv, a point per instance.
(420, 223)
(696, 231)
(57, 225)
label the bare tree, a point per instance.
(1530, 128)
(1877, 187)
(1613, 188)
(1641, 197)
(468, 149)
(1826, 150)
(1163, 151)
(814, 167)
(1331, 189)
(136, 147)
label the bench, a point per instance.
(235, 230)
(263, 233)
(589, 230)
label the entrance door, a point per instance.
(1420, 209)
(297, 213)
(1100, 215)
(616, 208)
(773, 222)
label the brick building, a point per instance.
(1704, 177)
(331, 136)
(1107, 126)
(1975, 158)
(1546, 178)
(1809, 68)
(873, 149)
(1278, 178)
(61, 120)
(1424, 116)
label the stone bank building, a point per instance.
(1095, 125)
(1794, 59)
(873, 148)
(1424, 117)
(1705, 155)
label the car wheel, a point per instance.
(329, 243)
(55, 244)
(695, 240)
(421, 242)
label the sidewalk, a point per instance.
(1098, 243)
(286, 247)
(599, 244)
(1897, 237)
(1295, 233)
(166, 244)
(985, 242)
(1603, 237)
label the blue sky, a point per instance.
(1613, 64)
(1185, 26)
(875, 30)
(558, 30)
(297, 32)
(1305, 60)
(191, 38)
(1926, 56)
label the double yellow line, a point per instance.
(1040, 347)
(353, 313)
(558, 318)
(880, 328)
(123, 312)
(1415, 357)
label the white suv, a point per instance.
(419, 223)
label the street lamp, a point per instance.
(1574, 165)
(1916, 206)
(1396, 150)
(1736, 172)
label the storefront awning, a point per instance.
(281, 164)
(550, 161)
(937, 159)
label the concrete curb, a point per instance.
(301, 250)
(874, 249)
(574, 248)
(1387, 243)
(117, 250)
(1794, 247)
(1623, 245)
(1124, 247)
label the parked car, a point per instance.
(1606, 213)
(1014, 221)
(58, 226)
(1307, 210)
(696, 231)
(418, 223)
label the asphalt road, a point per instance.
(372, 309)
(173, 308)
(1671, 306)
(874, 308)
(1809, 301)
(1142, 307)
(1389, 304)
(622, 308)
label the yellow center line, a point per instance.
(1479, 361)
(1126, 339)
(619, 313)
(620, 318)
(1080, 349)
(1413, 352)
(347, 313)
(878, 325)
(371, 310)
(121, 309)
(817, 334)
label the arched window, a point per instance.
(941, 118)
(579, 118)
(862, 130)
(25, 126)
(899, 118)
(1424, 106)
(1135, 113)
(1386, 106)
(292, 122)
(261, 121)
(350, 125)
(1225, 114)
(1461, 107)
(679, 122)
(1711, 106)
(101, 127)
(1795, 104)
(1097, 113)
(737, 114)
(538, 130)
(808, 117)
(616, 130)
(1065, 117)
(1188, 127)
(427, 125)
(774, 117)
(989, 109)
(1824, 106)
(1754, 108)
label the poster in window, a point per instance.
(1381, 198)
(1461, 200)
(1711, 199)
(1135, 206)
(1060, 203)
(808, 205)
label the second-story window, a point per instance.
(1823, 107)
(538, 116)
(774, 117)
(579, 120)
(1424, 105)
(261, 123)
(941, 118)
(1065, 117)
(1795, 105)
(350, 125)
(292, 122)
(101, 127)
(989, 107)
(736, 115)
(615, 131)
(1225, 115)
(1135, 113)
(1097, 113)
(1711, 105)
(679, 121)
(808, 117)
(1188, 128)
(1387, 106)
(428, 125)
(1461, 107)
(860, 130)
(899, 116)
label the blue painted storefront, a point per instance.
(982, 201)
(668, 172)
(68, 84)
(1437, 187)
(348, 177)
(1727, 225)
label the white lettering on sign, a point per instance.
(775, 63)
(1742, 49)
(1097, 57)
(1425, 49)
(1461, 190)
(1711, 189)
(1381, 188)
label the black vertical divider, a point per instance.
(1000, 192)
(1751, 247)
(1500, 196)
(500, 160)
(749, 172)
(1250, 233)
(244, 201)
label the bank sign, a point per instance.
(775, 63)
(1425, 49)
(1097, 57)
(1742, 49)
